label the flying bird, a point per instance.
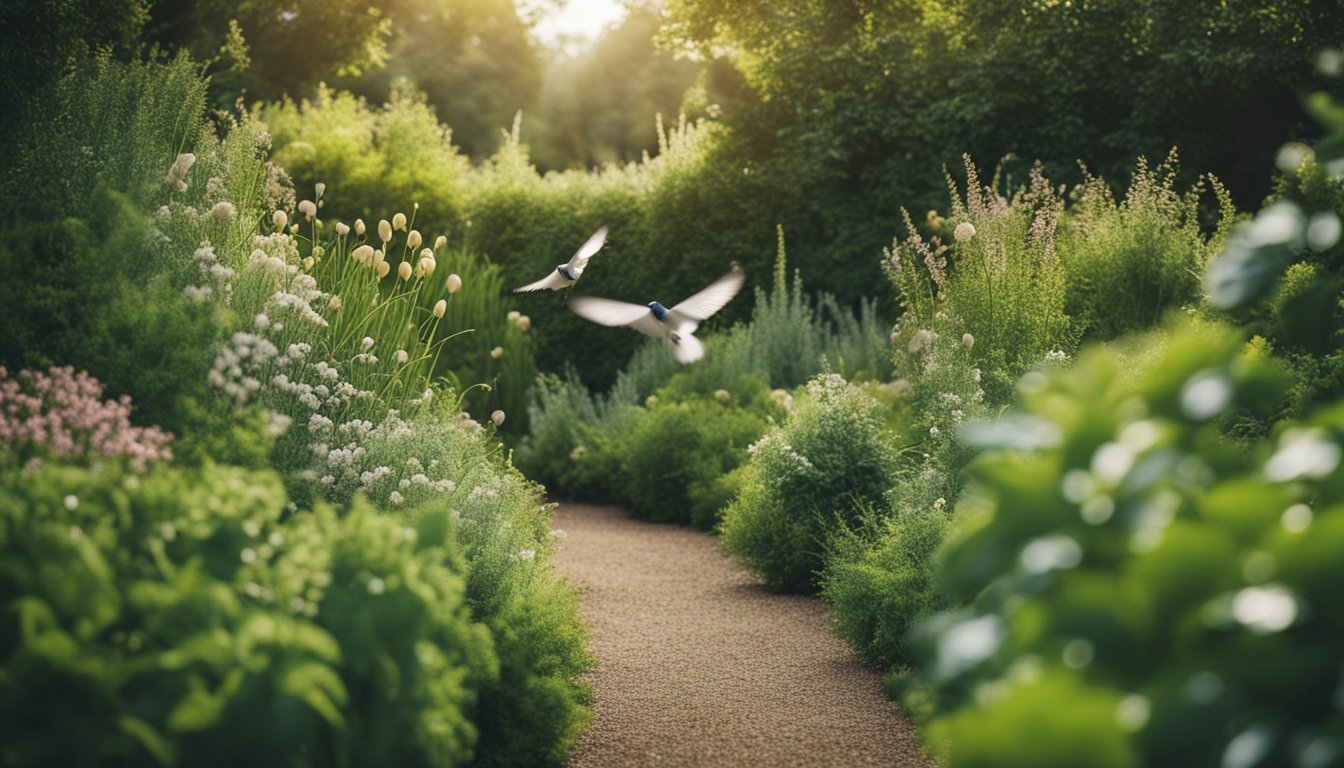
(674, 326)
(565, 275)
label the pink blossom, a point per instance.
(61, 414)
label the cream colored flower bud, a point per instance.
(308, 264)
(496, 353)
(967, 340)
(293, 229)
(440, 242)
(363, 255)
(384, 230)
(427, 265)
(399, 221)
(319, 188)
(413, 240)
(498, 418)
(964, 231)
(359, 227)
(723, 395)
(440, 307)
(524, 323)
(513, 316)
(453, 284)
(308, 208)
(383, 268)
(281, 220)
(404, 270)
(401, 357)
(366, 344)
(335, 302)
(342, 229)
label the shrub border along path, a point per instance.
(699, 665)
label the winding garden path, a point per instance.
(698, 665)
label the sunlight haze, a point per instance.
(579, 18)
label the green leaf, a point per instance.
(318, 686)
(153, 741)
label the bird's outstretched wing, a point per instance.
(686, 316)
(551, 281)
(586, 251)
(616, 313)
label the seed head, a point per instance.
(384, 230)
(342, 229)
(413, 240)
(498, 418)
(281, 219)
(964, 231)
(319, 188)
(967, 340)
(308, 208)
(359, 227)
(453, 284)
(399, 221)
(425, 267)
(363, 255)
(440, 242)
(524, 323)
(440, 307)
(496, 353)
(401, 357)
(223, 211)
(383, 268)
(404, 270)
(513, 316)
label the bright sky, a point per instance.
(579, 18)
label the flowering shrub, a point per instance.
(805, 479)
(1138, 584)
(1000, 281)
(61, 415)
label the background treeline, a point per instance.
(825, 117)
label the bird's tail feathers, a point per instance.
(684, 347)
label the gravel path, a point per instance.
(699, 665)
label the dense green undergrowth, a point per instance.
(319, 558)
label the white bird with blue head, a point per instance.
(674, 326)
(565, 275)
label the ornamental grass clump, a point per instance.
(60, 414)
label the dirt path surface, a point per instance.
(698, 665)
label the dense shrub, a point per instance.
(1130, 261)
(673, 459)
(101, 282)
(175, 617)
(879, 577)
(806, 479)
(1166, 592)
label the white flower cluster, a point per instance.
(216, 276)
(237, 362)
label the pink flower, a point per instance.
(61, 414)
